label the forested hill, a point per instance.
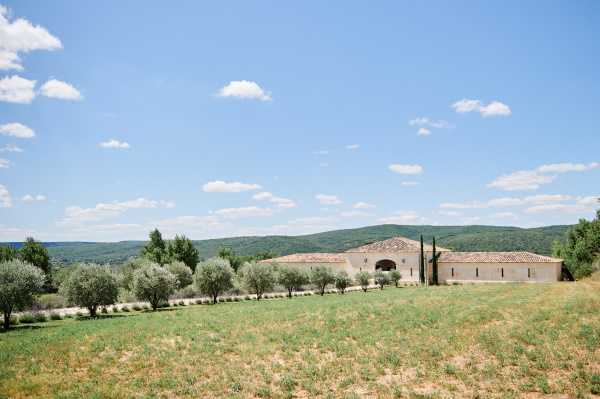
(459, 238)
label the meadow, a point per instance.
(501, 340)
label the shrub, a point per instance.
(395, 276)
(154, 284)
(55, 316)
(182, 273)
(14, 320)
(257, 278)
(214, 277)
(91, 286)
(175, 304)
(19, 282)
(381, 279)
(136, 307)
(104, 310)
(51, 301)
(115, 309)
(199, 301)
(321, 277)
(292, 278)
(362, 279)
(124, 308)
(181, 303)
(79, 315)
(186, 292)
(27, 318)
(342, 281)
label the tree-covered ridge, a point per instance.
(460, 238)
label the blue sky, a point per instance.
(238, 118)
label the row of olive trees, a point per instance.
(92, 286)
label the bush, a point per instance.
(342, 281)
(257, 278)
(104, 310)
(19, 282)
(55, 316)
(362, 279)
(154, 284)
(115, 309)
(181, 303)
(14, 320)
(292, 278)
(381, 279)
(214, 277)
(321, 277)
(395, 276)
(91, 286)
(182, 273)
(124, 308)
(51, 301)
(27, 318)
(136, 307)
(186, 292)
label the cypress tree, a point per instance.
(422, 264)
(435, 264)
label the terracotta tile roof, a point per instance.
(308, 258)
(396, 244)
(496, 257)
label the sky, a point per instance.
(217, 119)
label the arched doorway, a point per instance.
(385, 265)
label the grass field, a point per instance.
(454, 341)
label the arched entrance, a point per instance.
(385, 265)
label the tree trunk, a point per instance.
(322, 291)
(289, 293)
(215, 299)
(6, 320)
(92, 310)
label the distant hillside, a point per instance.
(460, 238)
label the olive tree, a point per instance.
(321, 277)
(395, 276)
(381, 279)
(362, 279)
(257, 278)
(292, 278)
(19, 282)
(91, 286)
(182, 273)
(342, 281)
(213, 277)
(153, 283)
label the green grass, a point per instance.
(503, 341)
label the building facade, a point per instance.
(404, 255)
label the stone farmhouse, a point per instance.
(403, 254)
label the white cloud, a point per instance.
(11, 148)
(409, 183)
(21, 35)
(450, 213)
(4, 163)
(406, 169)
(102, 211)
(219, 186)
(565, 208)
(32, 198)
(17, 130)
(521, 180)
(462, 205)
(545, 198)
(354, 214)
(403, 217)
(5, 198)
(321, 152)
(283, 203)
(423, 121)
(423, 132)
(363, 205)
(61, 90)
(471, 220)
(352, 147)
(495, 108)
(503, 215)
(567, 167)
(116, 144)
(325, 199)
(244, 89)
(15, 89)
(244, 212)
(592, 200)
(508, 202)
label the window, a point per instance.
(528, 273)
(502, 271)
(476, 272)
(452, 272)
(411, 271)
(403, 260)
